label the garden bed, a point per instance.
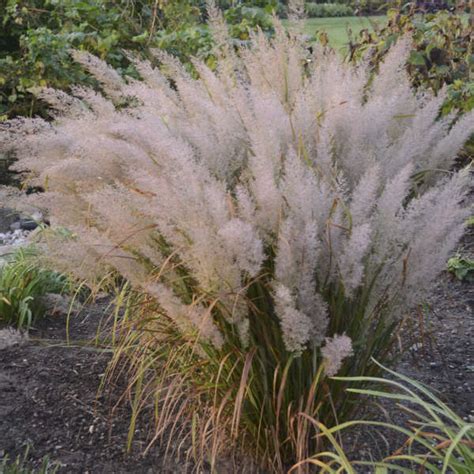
(49, 389)
(50, 402)
(264, 241)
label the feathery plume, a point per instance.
(293, 176)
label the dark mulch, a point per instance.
(48, 390)
(49, 401)
(438, 350)
(443, 357)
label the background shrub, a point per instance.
(37, 36)
(186, 41)
(320, 10)
(441, 56)
(242, 20)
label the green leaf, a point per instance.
(416, 58)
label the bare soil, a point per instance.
(49, 401)
(49, 389)
(438, 352)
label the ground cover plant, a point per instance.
(461, 267)
(264, 215)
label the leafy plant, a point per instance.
(38, 35)
(196, 41)
(441, 55)
(243, 20)
(270, 239)
(22, 284)
(461, 267)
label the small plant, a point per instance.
(461, 267)
(266, 218)
(20, 465)
(22, 284)
(437, 439)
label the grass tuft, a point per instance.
(23, 282)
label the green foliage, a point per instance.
(442, 52)
(322, 10)
(22, 284)
(37, 36)
(438, 441)
(372, 7)
(461, 267)
(189, 41)
(19, 465)
(243, 20)
(195, 40)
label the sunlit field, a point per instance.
(337, 28)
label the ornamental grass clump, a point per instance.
(267, 222)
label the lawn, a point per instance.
(336, 27)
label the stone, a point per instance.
(15, 226)
(7, 218)
(28, 224)
(59, 305)
(11, 337)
